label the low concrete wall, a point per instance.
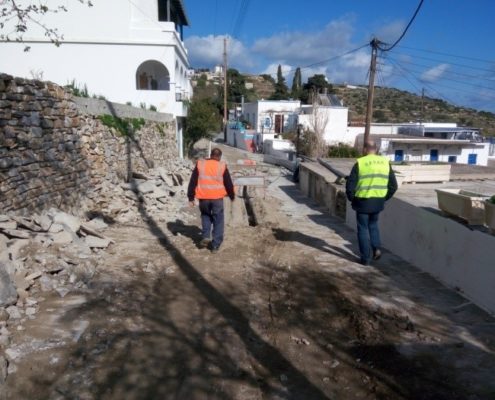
(458, 256)
(101, 107)
(318, 183)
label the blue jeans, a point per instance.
(368, 233)
(212, 214)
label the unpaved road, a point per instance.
(282, 312)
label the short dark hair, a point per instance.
(216, 153)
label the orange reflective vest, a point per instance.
(210, 180)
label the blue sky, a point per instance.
(449, 50)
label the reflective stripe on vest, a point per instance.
(210, 180)
(373, 177)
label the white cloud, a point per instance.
(390, 32)
(435, 73)
(207, 51)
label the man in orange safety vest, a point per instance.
(210, 182)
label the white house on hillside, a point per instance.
(127, 51)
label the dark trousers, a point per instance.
(212, 215)
(368, 235)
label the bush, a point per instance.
(343, 151)
(125, 126)
(153, 108)
(492, 199)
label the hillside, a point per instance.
(393, 105)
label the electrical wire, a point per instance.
(326, 61)
(240, 18)
(405, 30)
(446, 54)
(479, 77)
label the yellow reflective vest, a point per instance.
(372, 177)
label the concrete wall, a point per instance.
(318, 183)
(448, 250)
(101, 107)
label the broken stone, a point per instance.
(12, 354)
(97, 224)
(27, 224)
(93, 232)
(67, 220)
(45, 222)
(4, 218)
(146, 187)
(3, 369)
(8, 225)
(30, 311)
(13, 233)
(8, 293)
(13, 312)
(33, 276)
(4, 340)
(140, 175)
(15, 246)
(62, 238)
(97, 242)
(4, 315)
(55, 228)
(46, 283)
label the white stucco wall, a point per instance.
(263, 109)
(421, 151)
(448, 250)
(336, 123)
(104, 53)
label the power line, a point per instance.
(479, 77)
(447, 54)
(215, 19)
(240, 18)
(444, 62)
(405, 30)
(326, 61)
(457, 81)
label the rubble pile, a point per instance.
(54, 251)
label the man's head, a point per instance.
(370, 147)
(216, 154)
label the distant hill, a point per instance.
(394, 105)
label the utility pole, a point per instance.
(225, 89)
(371, 88)
(422, 105)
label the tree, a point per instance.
(281, 89)
(202, 121)
(17, 16)
(315, 135)
(296, 89)
(316, 84)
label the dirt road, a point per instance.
(283, 311)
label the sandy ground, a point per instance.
(283, 311)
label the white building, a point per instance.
(279, 116)
(406, 148)
(272, 116)
(127, 51)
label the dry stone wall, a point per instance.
(52, 155)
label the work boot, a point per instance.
(377, 254)
(215, 250)
(204, 243)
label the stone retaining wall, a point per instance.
(52, 155)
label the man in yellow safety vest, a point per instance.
(371, 182)
(210, 182)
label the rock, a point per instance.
(165, 176)
(3, 369)
(4, 218)
(45, 222)
(13, 312)
(8, 292)
(67, 220)
(97, 224)
(146, 187)
(159, 193)
(87, 229)
(27, 224)
(33, 276)
(55, 228)
(62, 291)
(4, 341)
(12, 354)
(31, 311)
(140, 175)
(46, 283)
(15, 246)
(30, 302)
(96, 242)
(13, 233)
(8, 225)
(4, 315)
(62, 238)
